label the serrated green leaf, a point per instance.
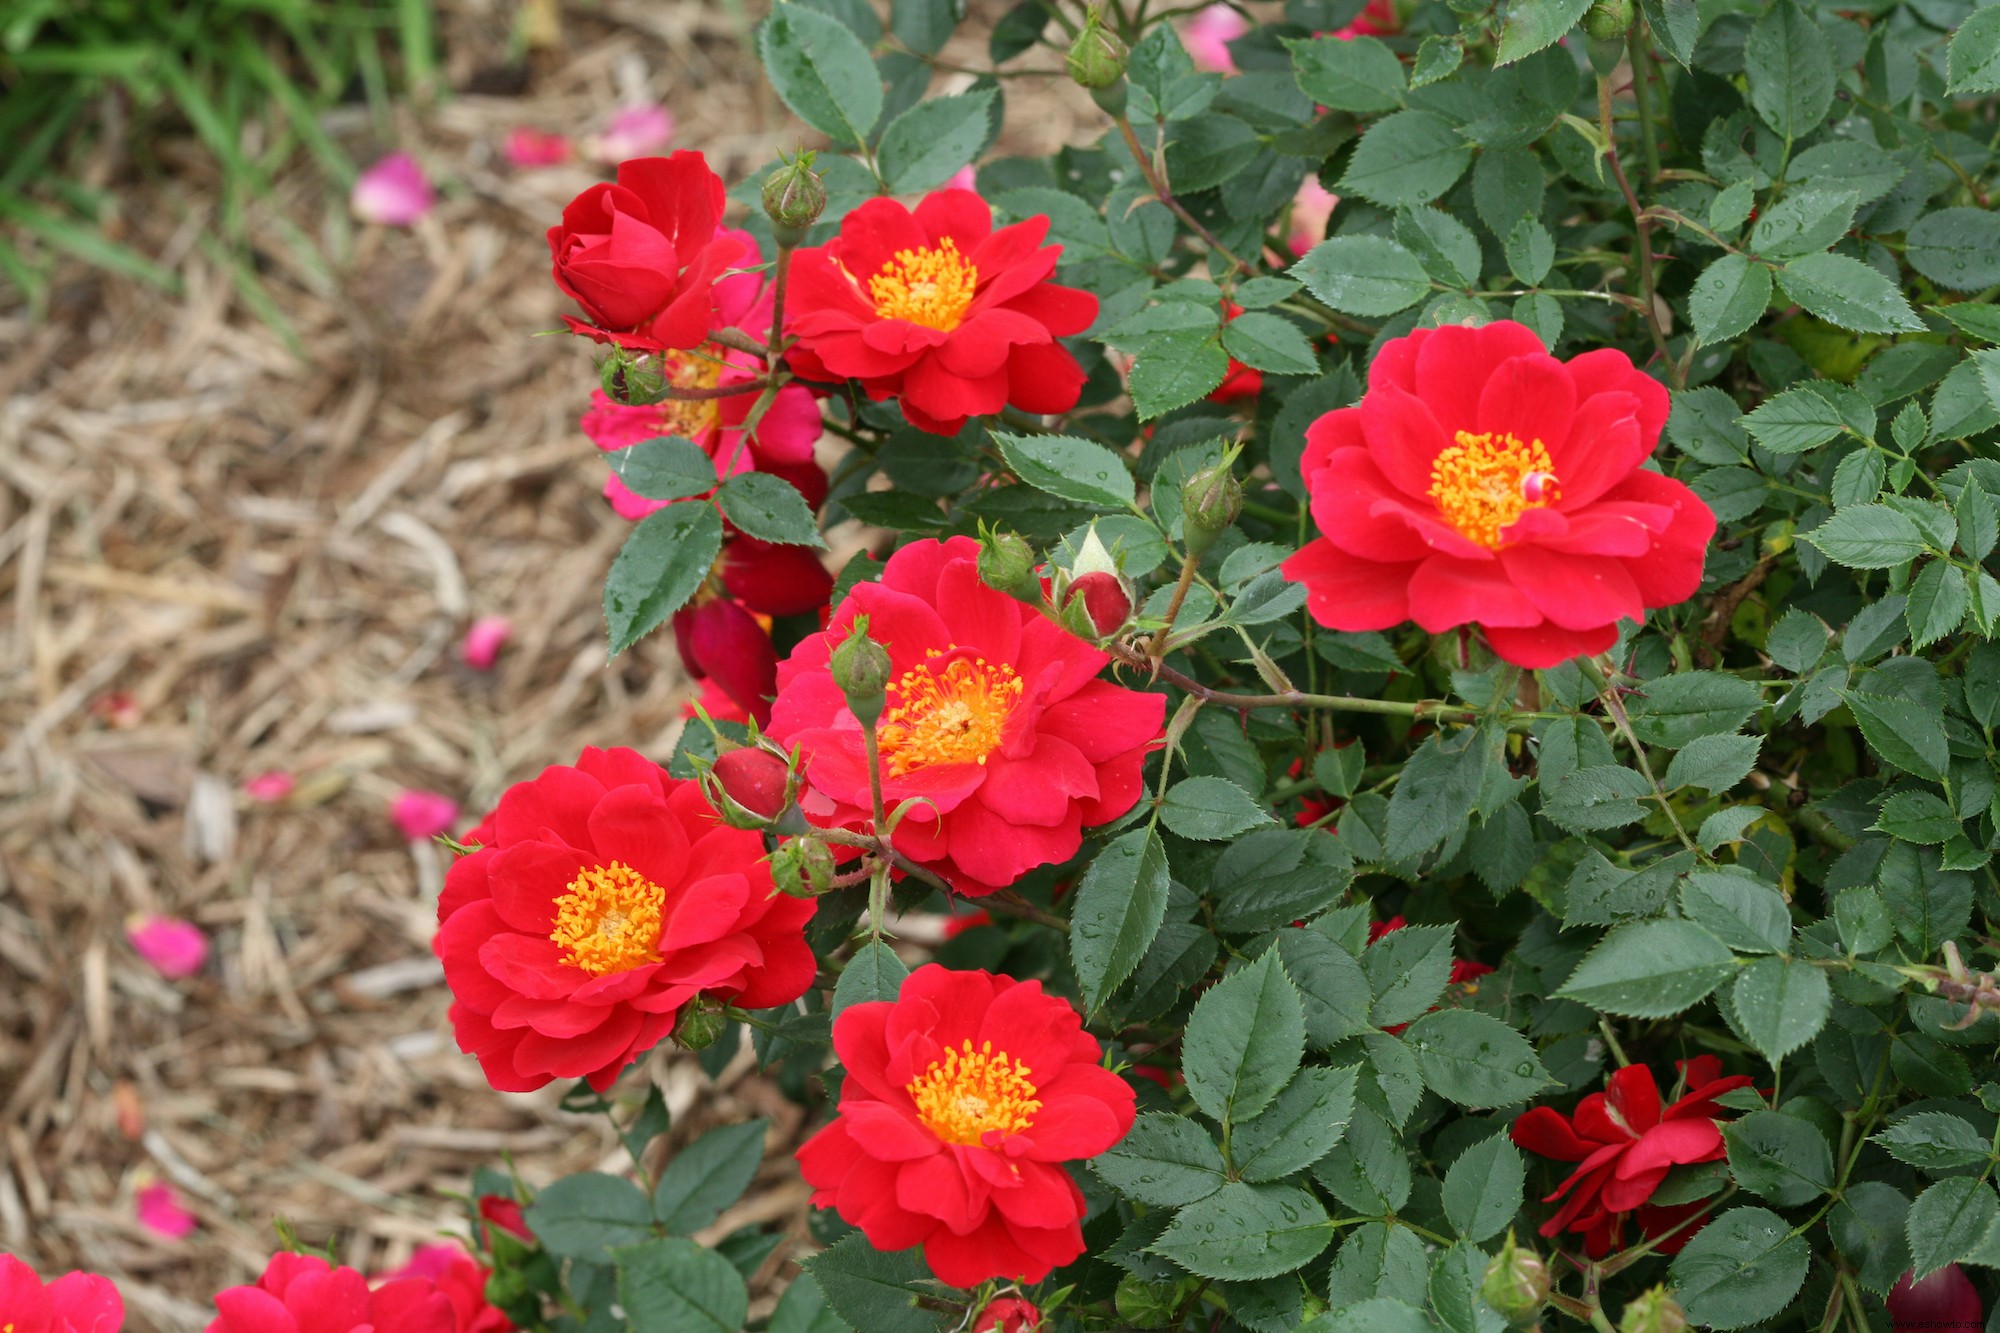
(1175, 370)
(1901, 731)
(1867, 536)
(1797, 641)
(1369, 276)
(1730, 295)
(1360, 75)
(1269, 342)
(1742, 1268)
(1936, 1141)
(1244, 1041)
(1957, 248)
(1714, 763)
(770, 509)
(1789, 64)
(1165, 1161)
(1973, 62)
(1535, 24)
(1938, 600)
(1069, 468)
(658, 569)
(822, 71)
(663, 468)
(587, 1215)
(1211, 810)
(1474, 1059)
(1244, 1232)
(1604, 796)
(1120, 903)
(1482, 1190)
(873, 973)
(676, 1286)
(1650, 969)
(923, 147)
(1411, 157)
(1780, 1005)
(1804, 222)
(1847, 292)
(1673, 710)
(1302, 1125)
(707, 1176)
(1779, 1157)
(1948, 1221)
(1742, 911)
(1795, 421)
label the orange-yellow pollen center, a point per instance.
(931, 286)
(1485, 482)
(609, 921)
(955, 716)
(700, 368)
(970, 1094)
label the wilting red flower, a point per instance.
(72, 1303)
(462, 1280)
(394, 192)
(302, 1293)
(603, 898)
(1009, 1314)
(497, 1210)
(1625, 1145)
(962, 1097)
(1482, 481)
(1241, 381)
(641, 256)
(996, 719)
(722, 641)
(939, 310)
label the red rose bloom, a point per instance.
(720, 640)
(996, 718)
(302, 1293)
(72, 1303)
(1240, 381)
(462, 1280)
(642, 256)
(605, 897)
(1009, 1314)
(1482, 481)
(962, 1097)
(496, 1210)
(1625, 1144)
(939, 310)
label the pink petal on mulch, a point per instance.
(393, 193)
(270, 786)
(634, 131)
(536, 148)
(161, 1212)
(484, 640)
(422, 815)
(174, 947)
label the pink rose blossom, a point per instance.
(422, 815)
(536, 148)
(393, 193)
(1311, 207)
(174, 947)
(484, 640)
(1207, 37)
(633, 131)
(162, 1213)
(270, 786)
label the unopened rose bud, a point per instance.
(1143, 1304)
(1517, 1284)
(1096, 58)
(754, 779)
(802, 867)
(1210, 501)
(1105, 601)
(699, 1026)
(861, 668)
(1007, 564)
(1608, 20)
(1654, 1312)
(794, 197)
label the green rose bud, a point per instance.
(1097, 58)
(794, 197)
(699, 1026)
(1517, 1284)
(1007, 564)
(1608, 20)
(802, 867)
(1654, 1312)
(1143, 1304)
(1210, 501)
(861, 669)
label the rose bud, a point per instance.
(1097, 58)
(699, 1026)
(1210, 501)
(499, 1211)
(1009, 1314)
(1517, 1284)
(1098, 587)
(1944, 1302)
(862, 669)
(794, 197)
(1608, 20)
(1007, 564)
(1654, 1312)
(755, 779)
(802, 867)
(720, 639)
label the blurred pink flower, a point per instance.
(1311, 207)
(118, 709)
(484, 640)
(1207, 37)
(536, 148)
(965, 178)
(273, 785)
(393, 193)
(633, 131)
(174, 947)
(422, 815)
(162, 1213)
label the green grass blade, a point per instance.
(86, 244)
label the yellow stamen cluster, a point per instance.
(954, 716)
(969, 1094)
(700, 368)
(609, 920)
(931, 286)
(1485, 482)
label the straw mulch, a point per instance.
(217, 558)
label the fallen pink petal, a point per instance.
(634, 131)
(162, 1213)
(422, 815)
(270, 786)
(484, 640)
(536, 148)
(175, 948)
(394, 192)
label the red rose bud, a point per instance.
(1517, 1284)
(794, 197)
(1007, 564)
(496, 1210)
(1944, 1302)
(775, 580)
(755, 779)
(1009, 1314)
(861, 669)
(1104, 599)
(720, 640)
(1654, 1312)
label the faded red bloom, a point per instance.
(721, 641)
(480, 648)
(422, 815)
(1009, 1314)
(642, 256)
(1625, 1144)
(937, 309)
(963, 1097)
(302, 1293)
(1482, 481)
(72, 1303)
(996, 719)
(603, 898)
(462, 1280)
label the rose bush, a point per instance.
(1433, 567)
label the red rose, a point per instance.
(996, 718)
(642, 256)
(498, 1211)
(963, 1095)
(302, 1293)
(72, 1303)
(604, 898)
(462, 1279)
(720, 640)
(1626, 1144)
(773, 579)
(939, 310)
(1482, 481)
(1240, 381)
(1009, 1314)
(1944, 1302)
